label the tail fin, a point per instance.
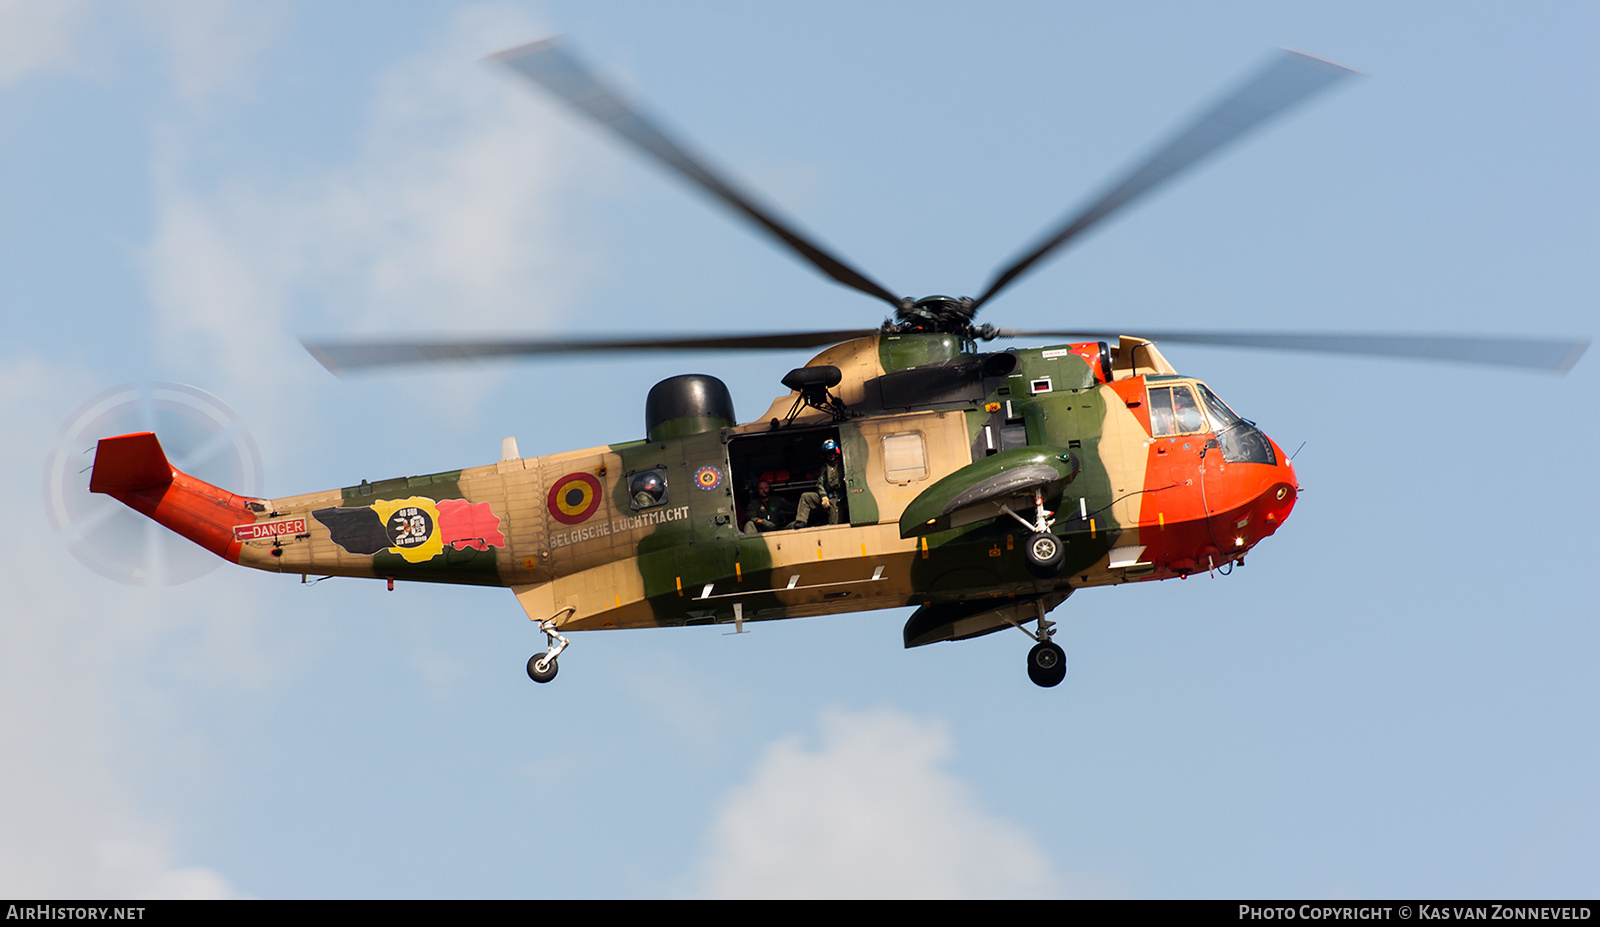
(134, 470)
(129, 463)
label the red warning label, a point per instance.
(269, 529)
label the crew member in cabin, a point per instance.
(830, 489)
(767, 512)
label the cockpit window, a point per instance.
(1241, 441)
(1221, 415)
(1173, 411)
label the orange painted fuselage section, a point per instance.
(1200, 512)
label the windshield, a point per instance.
(1222, 417)
(1241, 441)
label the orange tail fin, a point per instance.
(134, 470)
(129, 463)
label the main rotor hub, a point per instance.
(946, 315)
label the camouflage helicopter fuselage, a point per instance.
(936, 442)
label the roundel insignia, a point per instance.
(708, 478)
(574, 498)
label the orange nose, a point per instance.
(1278, 500)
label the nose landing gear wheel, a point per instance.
(1047, 665)
(1044, 554)
(550, 668)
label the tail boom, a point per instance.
(134, 470)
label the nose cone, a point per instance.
(1277, 501)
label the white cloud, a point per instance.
(440, 220)
(36, 36)
(869, 813)
(207, 47)
(70, 827)
(437, 216)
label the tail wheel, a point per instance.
(542, 675)
(1044, 553)
(1047, 665)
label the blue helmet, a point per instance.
(830, 446)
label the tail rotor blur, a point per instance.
(202, 436)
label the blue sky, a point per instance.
(1395, 697)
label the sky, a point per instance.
(1395, 697)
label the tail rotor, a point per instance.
(201, 435)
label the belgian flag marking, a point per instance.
(574, 498)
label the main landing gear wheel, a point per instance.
(1044, 553)
(1047, 665)
(542, 666)
(550, 668)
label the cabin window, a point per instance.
(905, 457)
(1173, 411)
(647, 489)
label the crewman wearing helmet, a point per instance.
(648, 489)
(830, 489)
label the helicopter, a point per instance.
(905, 466)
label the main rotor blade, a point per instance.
(1291, 78)
(344, 356)
(548, 64)
(1554, 355)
